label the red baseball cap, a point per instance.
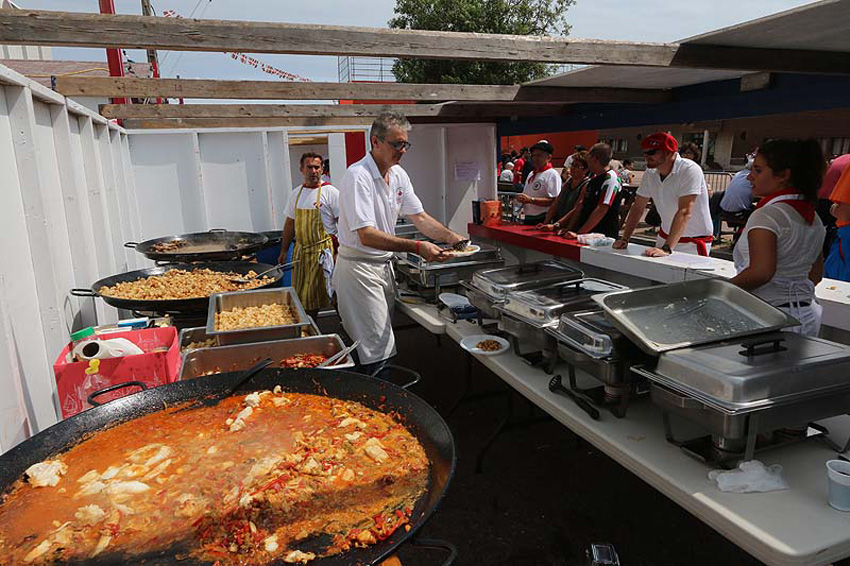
(660, 140)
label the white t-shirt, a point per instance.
(686, 178)
(507, 176)
(328, 204)
(367, 200)
(798, 246)
(546, 184)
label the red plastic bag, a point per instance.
(160, 364)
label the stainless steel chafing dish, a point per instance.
(526, 315)
(722, 365)
(283, 295)
(431, 277)
(490, 287)
(588, 341)
(207, 361)
(198, 335)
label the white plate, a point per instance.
(469, 343)
(470, 249)
(452, 300)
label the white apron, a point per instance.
(365, 288)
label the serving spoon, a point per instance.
(281, 266)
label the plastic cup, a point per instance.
(838, 472)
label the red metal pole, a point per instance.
(113, 56)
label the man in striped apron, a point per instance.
(311, 219)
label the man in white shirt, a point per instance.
(542, 186)
(677, 187)
(507, 175)
(311, 219)
(373, 193)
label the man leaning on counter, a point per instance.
(542, 186)
(373, 192)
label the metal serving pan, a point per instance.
(199, 334)
(215, 245)
(764, 371)
(282, 295)
(680, 315)
(497, 283)
(486, 253)
(237, 357)
(543, 307)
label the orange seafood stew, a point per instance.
(240, 483)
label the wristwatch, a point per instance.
(666, 248)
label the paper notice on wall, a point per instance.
(467, 171)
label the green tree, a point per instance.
(515, 17)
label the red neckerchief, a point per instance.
(531, 177)
(793, 199)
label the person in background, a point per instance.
(677, 187)
(625, 173)
(326, 174)
(836, 168)
(569, 160)
(837, 265)
(691, 151)
(519, 163)
(311, 219)
(736, 200)
(779, 257)
(561, 210)
(542, 185)
(599, 206)
(373, 193)
(507, 175)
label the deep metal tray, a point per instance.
(199, 334)
(196, 363)
(499, 282)
(227, 301)
(679, 315)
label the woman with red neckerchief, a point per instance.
(779, 256)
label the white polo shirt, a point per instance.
(328, 204)
(546, 184)
(686, 178)
(365, 199)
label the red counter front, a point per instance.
(530, 238)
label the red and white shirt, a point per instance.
(545, 184)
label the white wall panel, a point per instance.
(235, 181)
(422, 163)
(279, 176)
(470, 144)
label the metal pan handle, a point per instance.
(131, 245)
(83, 293)
(417, 377)
(112, 388)
(437, 544)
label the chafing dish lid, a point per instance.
(725, 376)
(544, 305)
(498, 282)
(589, 331)
(680, 315)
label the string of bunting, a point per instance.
(251, 61)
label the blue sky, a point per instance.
(633, 20)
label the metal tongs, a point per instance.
(339, 355)
(281, 266)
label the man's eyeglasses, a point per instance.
(650, 152)
(399, 145)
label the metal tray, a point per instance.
(733, 379)
(487, 254)
(499, 282)
(199, 334)
(679, 315)
(227, 301)
(544, 306)
(242, 356)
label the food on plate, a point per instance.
(274, 314)
(179, 284)
(165, 247)
(240, 483)
(302, 361)
(489, 346)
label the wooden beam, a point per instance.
(262, 111)
(181, 34)
(201, 123)
(276, 90)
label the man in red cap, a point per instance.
(677, 187)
